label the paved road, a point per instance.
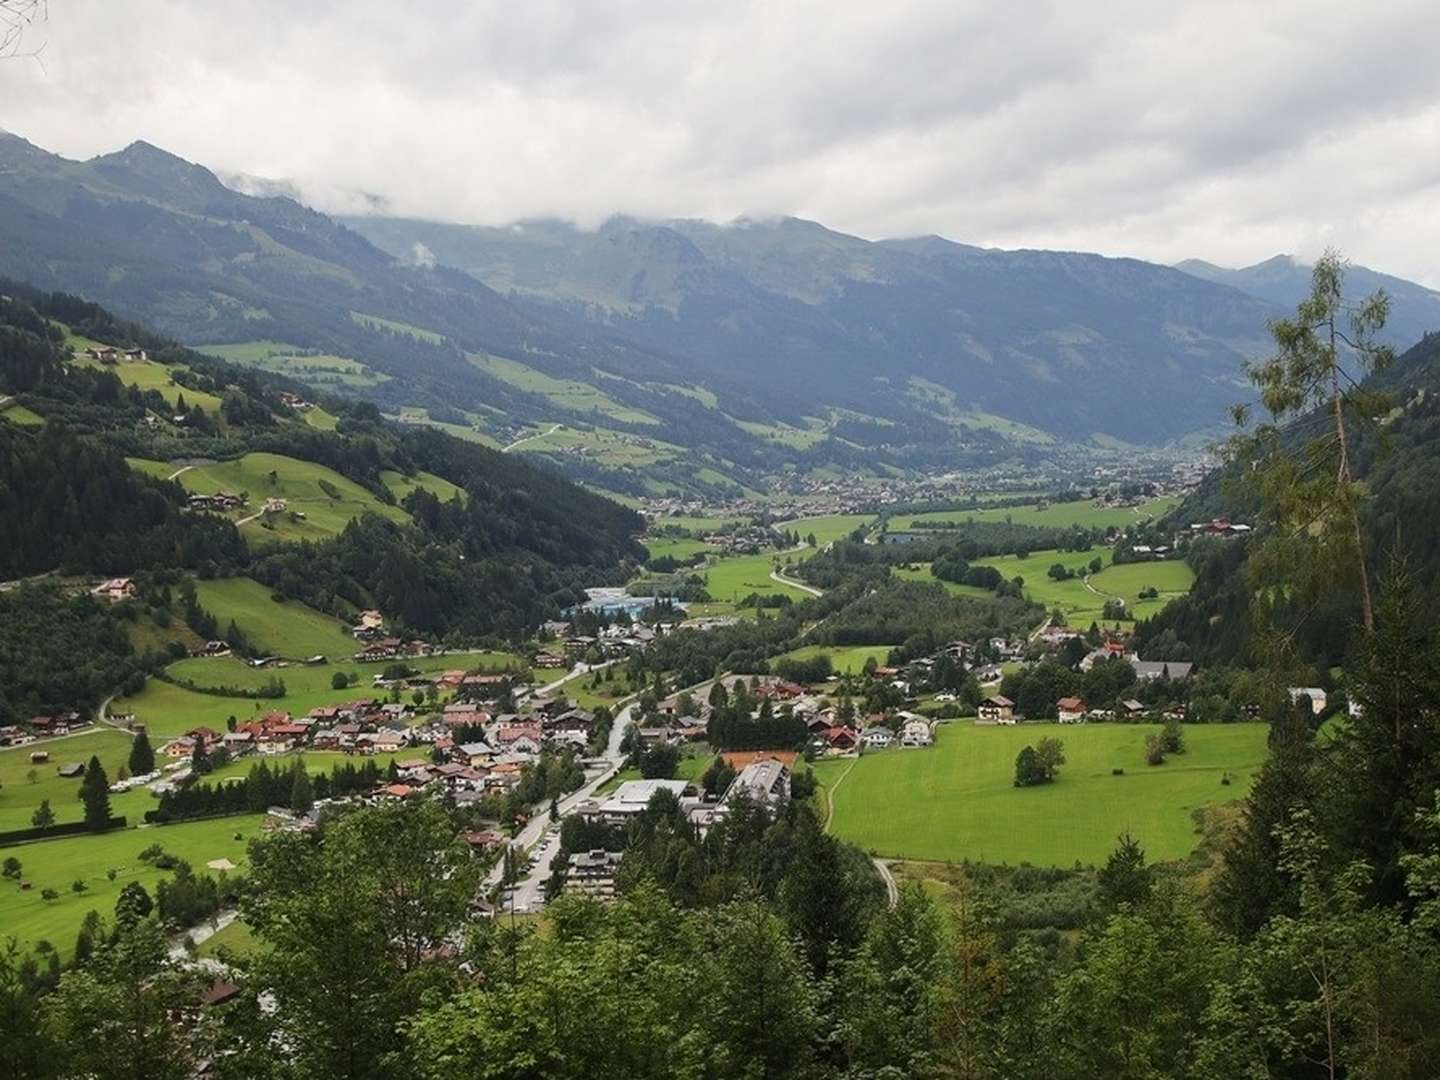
(538, 831)
(775, 575)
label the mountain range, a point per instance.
(703, 355)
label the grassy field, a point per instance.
(168, 710)
(843, 659)
(19, 796)
(150, 375)
(698, 524)
(375, 322)
(1055, 515)
(827, 529)
(660, 546)
(287, 629)
(235, 938)
(328, 500)
(57, 863)
(569, 394)
(401, 485)
(314, 369)
(736, 578)
(956, 800)
(1080, 604)
(19, 414)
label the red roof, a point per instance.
(398, 791)
(1071, 704)
(839, 734)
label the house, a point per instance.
(482, 840)
(120, 588)
(1317, 696)
(1131, 708)
(1070, 710)
(766, 781)
(391, 742)
(877, 738)
(71, 770)
(632, 797)
(476, 753)
(997, 709)
(842, 739)
(592, 873)
(275, 505)
(916, 732)
(1161, 669)
(739, 759)
(239, 742)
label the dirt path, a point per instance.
(553, 429)
(830, 796)
(892, 890)
(179, 472)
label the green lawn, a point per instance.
(660, 546)
(401, 485)
(57, 863)
(161, 470)
(826, 529)
(236, 938)
(735, 578)
(1055, 515)
(328, 500)
(690, 768)
(842, 660)
(287, 629)
(956, 801)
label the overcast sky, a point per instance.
(1227, 131)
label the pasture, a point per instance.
(286, 628)
(19, 414)
(328, 500)
(955, 800)
(56, 864)
(843, 659)
(20, 795)
(1054, 515)
(568, 394)
(827, 529)
(401, 485)
(660, 546)
(733, 579)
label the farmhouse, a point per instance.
(120, 588)
(997, 709)
(1070, 710)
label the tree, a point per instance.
(660, 761)
(11, 867)
(1309, 491)
(1051, 753)
(717, 777)
(133, 903)
(1029, 769)
(95, 794)
(1172, 737)
(199, 759)
(43, 817)
(1125, 879)
(302, 791)
(79, 885)
(142, 757)
(339, 681)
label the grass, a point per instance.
(328, 500)
(19, 414)
(287, 629)
(375, 322)
(19, 797)
(57, 863)
(236, 938)
(827, 529)
(699, 524)
(314, 369)
(736, 578)
(168, 710)
(150, 375)
(161, 470)
(956, 801)
(401, 485)
(1055, 515)
(571, 395)
(842, 660)
(690, 768)
(658, 547)
(1081, 605)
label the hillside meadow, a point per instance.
(956, 800)
(284, 628)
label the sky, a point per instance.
(1224, 131)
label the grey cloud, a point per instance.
(1223, 130)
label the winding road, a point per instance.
(553, 428)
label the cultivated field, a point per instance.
(956, 801)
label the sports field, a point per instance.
(955, 800)
(1054, 515)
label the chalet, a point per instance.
(71, 770)
(508, 735)
(739, 759)
(182, 747)
(1131, 708)
(916, 732)
(239, 742)
(482, 840)
(841, 739)
(390, 742)
(106, 354)
(997, 709)
(396, 791)
(275, 505)
(877, 738)
(1070, 710)
(450, 680)
(960, 650)
(476, 753)
(116, 589)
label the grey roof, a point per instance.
(1154, 669)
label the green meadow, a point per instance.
(843, 660)
(285, 628)
(401, 485)
(733, 579)
(1053, 515)
(829, 528)
(956, 800)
